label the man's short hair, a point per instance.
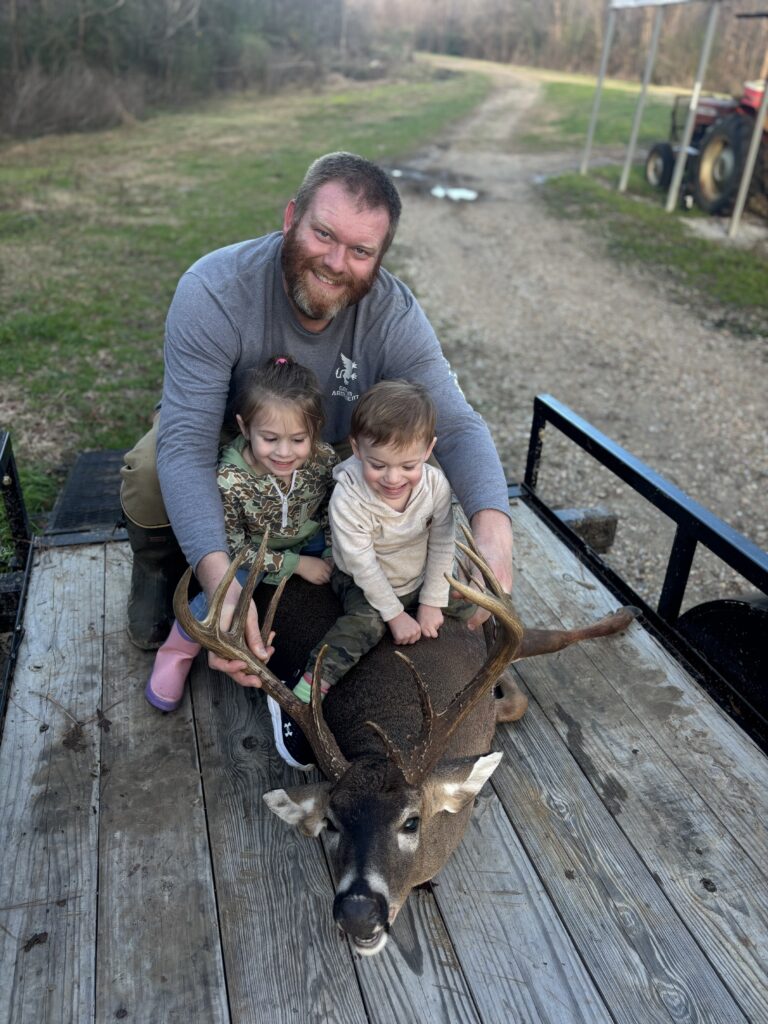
(394, 412)
(365, 180)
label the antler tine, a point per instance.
(496, 605)
(225, 643)
(230, 644)
(237, 627)
(427, 712)
(393, 753)
(490, 580)
(410, 764)
(465, 567)
(321, 739)
(269, 618)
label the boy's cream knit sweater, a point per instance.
(390, 553)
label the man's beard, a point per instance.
(298, 270)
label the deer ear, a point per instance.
(303, 806)
(452, 789)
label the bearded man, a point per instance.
(316, 290)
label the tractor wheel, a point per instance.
(721, 163)
(659, 165)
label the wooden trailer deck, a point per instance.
(614, 870)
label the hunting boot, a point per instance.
(158, 565)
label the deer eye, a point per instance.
(411, 824)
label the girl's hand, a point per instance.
(430, 619)
(404, 628)
(314, 570)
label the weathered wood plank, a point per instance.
(49, 769)
(587, 693)
(640, 954)
(159, 956)
(417, 976)
(283, 956)
(718, 760)
(519, 959)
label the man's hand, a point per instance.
(492, 531)
(210, 572)
(314, 570)
(430, 619)
(404, 628)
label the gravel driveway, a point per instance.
(525, 303)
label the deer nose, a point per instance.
(360, 915)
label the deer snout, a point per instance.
(361, 915)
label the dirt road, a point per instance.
(525, 303)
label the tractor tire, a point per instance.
(721, 163)
(659, 165)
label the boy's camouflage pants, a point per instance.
(361, 627)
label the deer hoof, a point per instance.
(513, 703)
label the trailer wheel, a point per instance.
(731, 634)
(721, 163)
(659, 165)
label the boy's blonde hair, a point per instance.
(394, 412)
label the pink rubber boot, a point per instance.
(165, 687)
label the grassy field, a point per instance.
(95, 231)
(561, 117)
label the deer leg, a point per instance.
(513, 703)
(547, 641)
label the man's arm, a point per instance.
(201, 346)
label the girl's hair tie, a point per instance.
(282, 361)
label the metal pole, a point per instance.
(677, 174)
(650, 60)
(598, 89)
(749, 166)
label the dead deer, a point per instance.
(402, 741)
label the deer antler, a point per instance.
(437, 729)
(230, 644)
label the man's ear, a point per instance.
(303, 806)
(453, 785)
(288, 216)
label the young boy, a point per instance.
(393, 541)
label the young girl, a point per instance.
(277, 474)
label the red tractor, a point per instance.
(717, 153)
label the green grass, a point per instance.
(561, 117)
(95, 231)
(636, 228)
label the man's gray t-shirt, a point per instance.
(230, 313)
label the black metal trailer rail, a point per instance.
(694, 525)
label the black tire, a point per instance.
(659, 165)
(721, 163)
(730, 634)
